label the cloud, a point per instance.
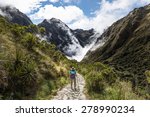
(2, 13)
(65, 1)
(54, 1)
(69, 1)
(145, 1)
(67, 14)
(26, 6)
(108, 13)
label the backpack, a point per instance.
(72, 73)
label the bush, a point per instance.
(21, 75)
(147, 73)
(42, 30)
(98, 77)
(63, 81)
(120, 90)
(29, 41)
(98, 81)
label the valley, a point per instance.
(35, 59)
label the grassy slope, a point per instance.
(128, 50)
(29, 68)
(104, 83)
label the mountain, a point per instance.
(14, 15)
(83, 36)
(126, 46)
(71, 42)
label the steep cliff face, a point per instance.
(127, 43)
(70, 42)
(14, 15)
(84, 36)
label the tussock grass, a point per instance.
(104, 83)
(36, 70)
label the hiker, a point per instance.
(73, 75)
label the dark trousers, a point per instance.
(73, 82)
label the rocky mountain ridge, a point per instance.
(15, 16)
(71, 42)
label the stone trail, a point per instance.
(68, 94)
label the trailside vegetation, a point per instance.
(30, 68)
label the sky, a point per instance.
(84, 14)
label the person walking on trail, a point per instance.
(73, 75)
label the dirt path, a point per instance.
(68, 94)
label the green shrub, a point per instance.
(63, 81)
(98, 77)
(46, 90)
(21, 74)
(97, 81)
(147, 73)
(42, 30)
(120, 90)
(29, 41)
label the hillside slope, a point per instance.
(29, 68)
(14, 15)
(127, 47)
(128, 41)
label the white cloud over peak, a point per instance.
(108, 12)
(26, 6)
(66, 14)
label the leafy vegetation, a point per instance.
(29, 68)
(21, 75)
(103, 82)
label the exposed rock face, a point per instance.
(83, 36)
(127, 43)
(69, 41)
(14, 15)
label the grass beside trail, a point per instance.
(104, 83)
